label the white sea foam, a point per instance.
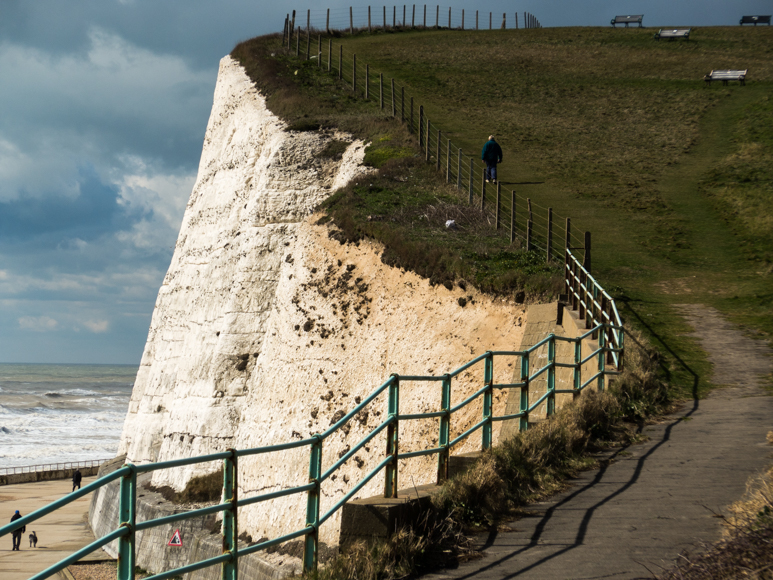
(61, 413)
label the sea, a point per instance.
(52, 413)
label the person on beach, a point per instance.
(33, 540)
(491, 155)
(17, 533)
(76, 479)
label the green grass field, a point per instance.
(613, 129)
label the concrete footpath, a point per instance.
(59, 534)
(650, 502)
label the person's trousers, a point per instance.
(491, 171)
(16, 540)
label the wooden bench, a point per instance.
(632, 19)
(755, 20)
(673, 33)
(725, 76)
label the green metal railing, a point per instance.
(230, 503)
(595, 306)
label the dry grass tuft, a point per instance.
(639, 389)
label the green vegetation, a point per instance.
(606, 126)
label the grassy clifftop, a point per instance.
(607, 126)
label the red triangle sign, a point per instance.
(176, 540)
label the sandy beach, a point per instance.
(59, 533)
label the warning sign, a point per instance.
(176, 540)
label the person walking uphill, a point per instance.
(491, 154)
(17, 533)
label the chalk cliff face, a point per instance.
(266, 330)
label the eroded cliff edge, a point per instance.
(266, 330)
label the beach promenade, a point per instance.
(59, 534)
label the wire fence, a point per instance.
(51, 466)
(384, 17)
(534, 226)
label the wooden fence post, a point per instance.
(516, 21)
(586, 258)
(319, 52)
(384, 17)
(472, 169)
(462, 18)
(425, 16)
(308, 44)
(298, 43)
(476, 20)
(499, 204)
(437, 159)
(394, 104)
(292, 29)
(421, 125)
(459, 169)
(308, 21)
(410, 126)
(512, 217)
(381, 90)
(394, 16)
(437, 17)
(402, 104)
(490, 20)
(449, 18)
(413, 17)
(448, 160)
(329, 54)
(427, 137)
(528, 236)
(327, 22)
(568, 234)
(351, 21)
(550, 235)
(340, 62)
(528, 207)
(504, 20)
(284, 31)
(369, 28)
(403, 24)
(483, 193)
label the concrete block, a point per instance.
(379, 517)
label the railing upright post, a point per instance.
(312, 507)
(488, 400)
(602, 358)
(577, 371)
(524, 410)
(127, 510)
(230, 528)
(445, 430)
(393, 432)
(551, 402)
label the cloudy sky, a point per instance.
(104, 104)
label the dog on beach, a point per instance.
(33, 540)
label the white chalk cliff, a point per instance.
(266, 330)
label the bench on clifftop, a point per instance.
(673, 33)
(631, 19)
(755, 20)
(726, 75)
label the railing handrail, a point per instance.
(127, 474)
(42, 467)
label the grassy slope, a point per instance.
(618, 132)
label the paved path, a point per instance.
(59, 534)
(652, 501)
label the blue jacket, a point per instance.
(492, 152)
